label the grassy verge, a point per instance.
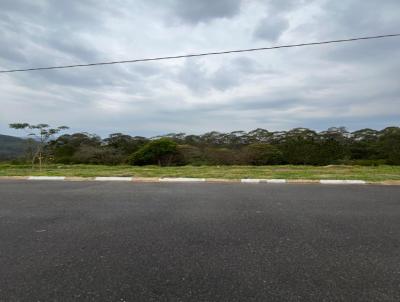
(378, 173)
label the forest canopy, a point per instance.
(300, 146)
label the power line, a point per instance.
(202, 54)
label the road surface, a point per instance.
(109, 241)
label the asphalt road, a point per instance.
(92, 241)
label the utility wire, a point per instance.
(202, 54)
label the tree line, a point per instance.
(299, 146)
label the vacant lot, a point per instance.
(378, 173)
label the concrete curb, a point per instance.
(13, 177)
(113, 178)
(46, 177)
(255, 180)
(275, 181)
(207, 180)
(303, 181)
(78, 178)
(222, 180)
(342, 182)
(249, 180)
(181, 179)
(145, 179)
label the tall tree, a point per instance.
(159, 151)
(42, 133)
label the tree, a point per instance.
(389, 145)
(363, 144)
(220, 156)
(42, 133)
(98, 155)
(262, 154)
(126, 144)
(259, 135)
(160, 151)
(189, 155)
(299, 146)
(65, 147)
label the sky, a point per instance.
(356, 85)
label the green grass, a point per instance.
(378, 173)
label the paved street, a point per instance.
(92, 241)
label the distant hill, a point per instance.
(12, 147)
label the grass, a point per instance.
(378, 173)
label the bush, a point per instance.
(221, 156)
(95, 155)
(299, 151)
(189, 155)
(160, 152)
(262, 154)
(389, 144)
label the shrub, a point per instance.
(262, 154)
(221, 156)
(96, 155)
(189, 155)
(160, 151)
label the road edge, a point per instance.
(205, 180)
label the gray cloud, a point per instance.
(276, 20)
(194, 11)
(283, 6)
(19, 6)
(228, 75)
(193, 75)
(271, 28)
(354, 84)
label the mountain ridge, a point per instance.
(12, 147)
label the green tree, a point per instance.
(42, 133)
(65, 147)
(126, 144)
(298, 145)
(189, 155)
(160, 151)
(262, 154)
(389, 143)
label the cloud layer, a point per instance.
(356, 85)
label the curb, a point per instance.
(206, 180)
(342, 182)
(181, 179)
(303, 181)
(46, 177)
(113, 178)
(271, 181)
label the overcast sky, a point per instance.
(351, 84)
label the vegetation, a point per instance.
(160, 151)
(300, 146)
(379, 173)
(42, 134)
(14, 147)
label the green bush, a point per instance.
(262, 154)
(220, 156)
(93, 155)
(160, 152)
(189, 155)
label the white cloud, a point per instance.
(348, 84)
